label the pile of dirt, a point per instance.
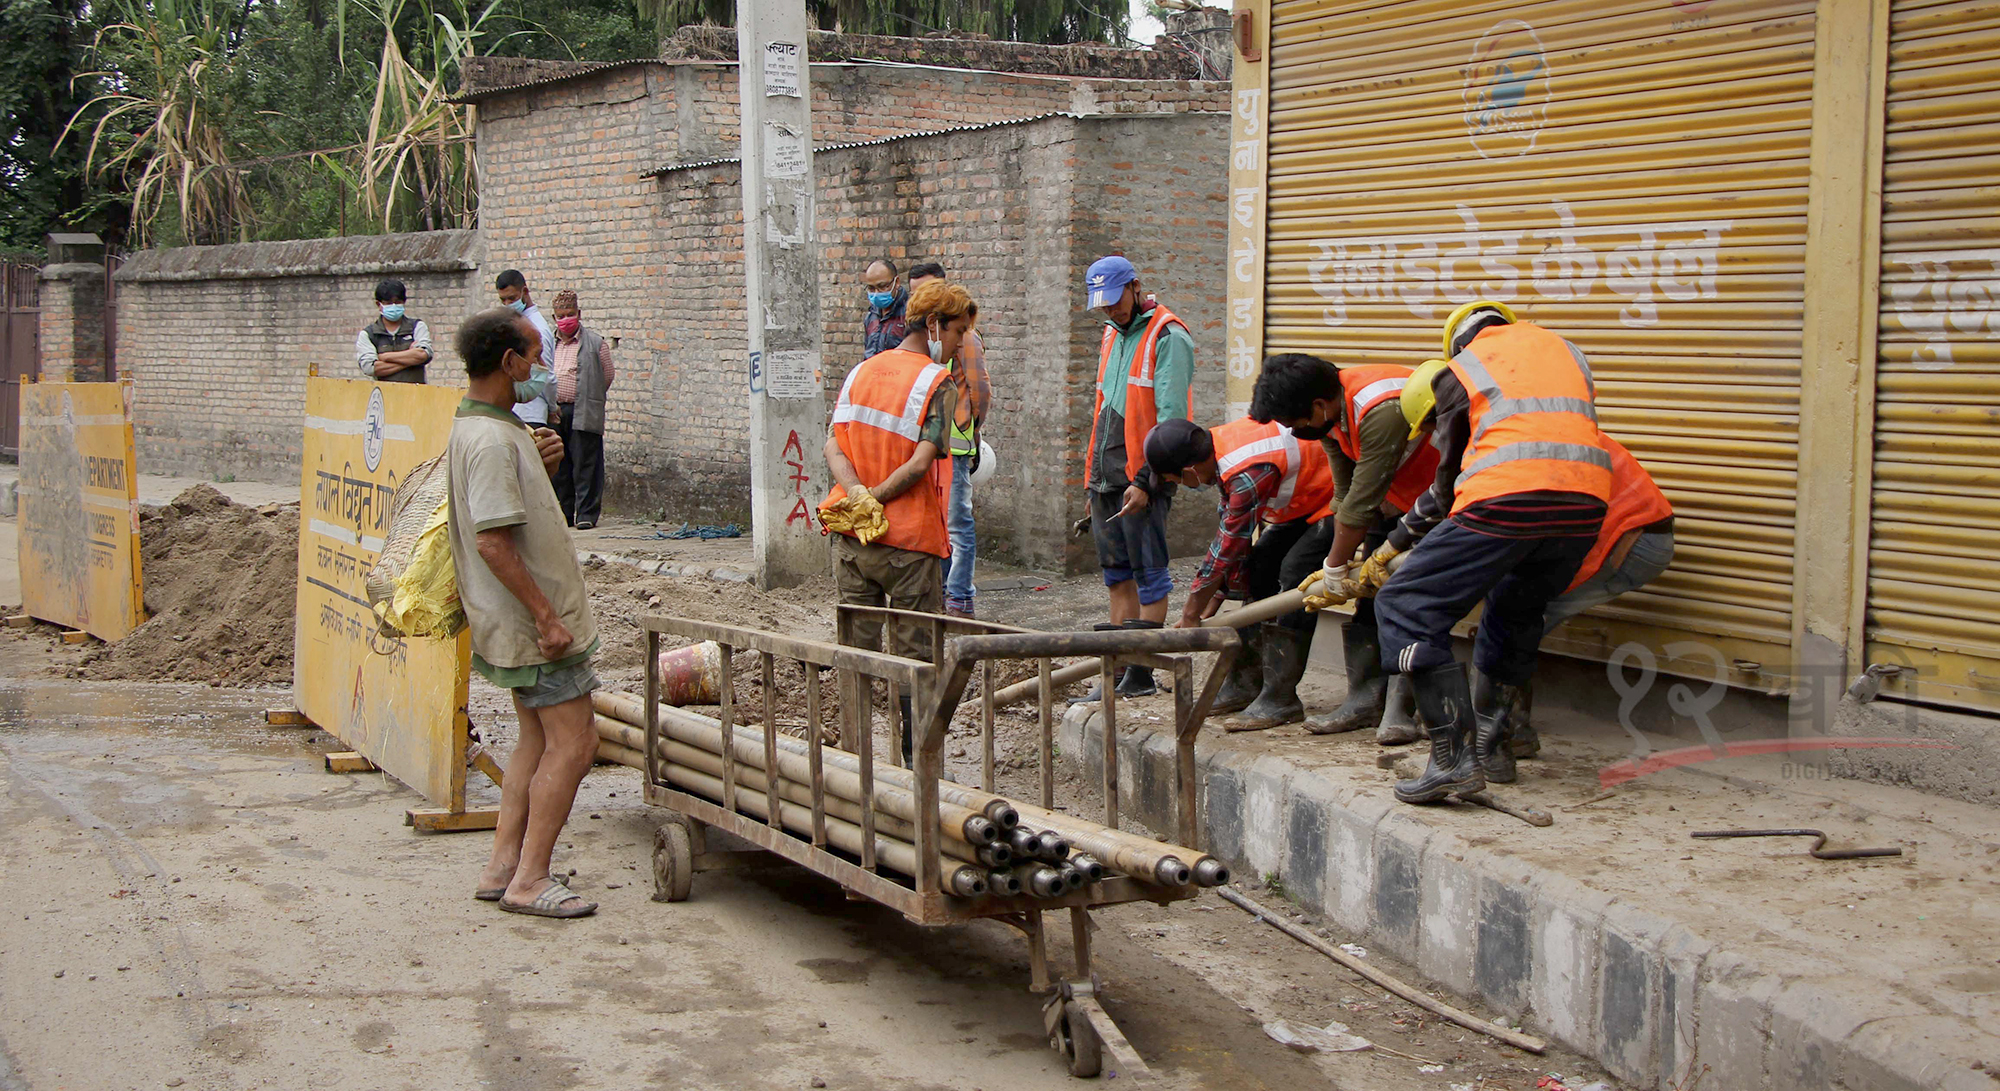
(620, 595)
(221, 580)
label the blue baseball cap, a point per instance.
(1107, 279)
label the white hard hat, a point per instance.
(988, 465)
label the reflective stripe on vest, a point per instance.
(1366, 387)
(1543, 412)
(1305, 483)
(910, 425)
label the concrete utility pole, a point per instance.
(781, 263)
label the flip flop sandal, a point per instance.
(490, 895)
(549, 904)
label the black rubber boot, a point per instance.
(1445, 700)
(1525, 741)
(1284, 664)
(1096, 692)
(909, 737)
(1400, 725)
(1246, 675)
(1367, 689)
(1493, 708)
(1137, 681)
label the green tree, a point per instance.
(1050, 22)
(42, 187)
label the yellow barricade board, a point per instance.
(79, 508)
(398, 702)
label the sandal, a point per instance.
(492, 894)
(549, 903)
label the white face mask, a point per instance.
(936, 347)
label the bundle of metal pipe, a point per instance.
(1049, 855)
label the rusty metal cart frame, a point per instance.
(1077, 1023)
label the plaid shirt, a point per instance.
(1243, 499)
(884, 330)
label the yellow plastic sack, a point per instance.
(860, 515)
(426, 596)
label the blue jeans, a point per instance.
(1649, 556)
(958, 590)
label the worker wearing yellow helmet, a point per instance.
(1520, 496)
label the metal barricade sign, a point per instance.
(399, 702)
(79, 508)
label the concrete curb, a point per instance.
(1648, 997)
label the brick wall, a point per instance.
(219, 338)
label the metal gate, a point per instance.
(1934, 542)
(20, 346)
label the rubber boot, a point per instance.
(1493, 709)
(1096, 693)
(1367, 689)
(1137, 681)
(1284, 664)
(1525, 741)
(1246, 676)
(1445, 700)
(1400, 725)
(909, 736)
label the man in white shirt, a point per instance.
(536, 400)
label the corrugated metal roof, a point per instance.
(564, 77)
(670, 168)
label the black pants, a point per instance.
(1451, 569)
(1283, 555)
(580, 479)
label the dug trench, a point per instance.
(264, 923)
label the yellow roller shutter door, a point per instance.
(1934, 544)
(1631, 175)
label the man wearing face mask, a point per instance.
(395, 347)
(1145, 375)
(525, 604)
(1377, 474)
(885, 513)
(886, 324)
(540, 405)
(1274, 529)
(583, 378)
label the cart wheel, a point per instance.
(673, 862)
(1080, 1044)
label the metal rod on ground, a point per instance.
(1277, 605)
(1415, 996)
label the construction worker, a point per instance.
(1356, 413)
(1145, 375)
(886, 511)
(1274, 488)
(1520, 498)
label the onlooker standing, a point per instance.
(885, 326)
(975, 393)
(886, 507)
(524, 600)
(1145, 375)
(537, 404)
(583, 376)
(395, 347)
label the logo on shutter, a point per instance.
(1506, 90)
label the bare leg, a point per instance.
(569, 749)
(1125, 602)
(513, 822)
(1152, 611)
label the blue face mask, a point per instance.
(392, 311)
(519, 306)
(537, 381)
(881, 300)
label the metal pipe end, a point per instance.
(1046, 882)
(980, 831)
(1171, 872)
(1209, 871)
(997, 855)
(968, 883)
(1055, 847)
(1004, 883)
(1073, 878)
(1092, 868)
(1003, 814)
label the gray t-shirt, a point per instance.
(497, 480)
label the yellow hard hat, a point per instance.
(1418, 397)
(1461, 314)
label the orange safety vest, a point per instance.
(1365, 388)
(877, 422)
(1533, 419)
(1305, 487)
(1141, 411)
(1635, 502)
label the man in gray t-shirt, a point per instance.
(525, 603)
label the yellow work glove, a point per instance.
(859, 514)
(1327, 587)
(1375, 570)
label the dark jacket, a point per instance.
(402, 339)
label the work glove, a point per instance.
(1376, 569)
(859, 514)
(1330, 586)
